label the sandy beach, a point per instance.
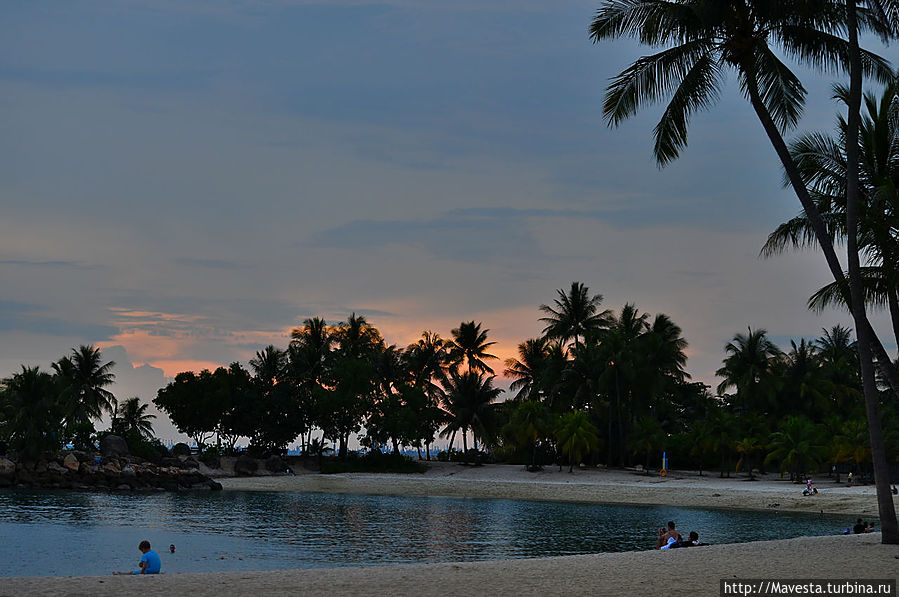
(593, 485)
(678, 572)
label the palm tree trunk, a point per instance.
(814, 217)
(888, 524)
(464, 446)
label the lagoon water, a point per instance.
(47, 533)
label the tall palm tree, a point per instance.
(469, 345)
(803, 382)
(574, 314)
(748, 369)
(133, 418)
(709, 37)
(269, 366)
(647, 437)
(85, 378)
(527, 369)
(528, 425)
(469, 399)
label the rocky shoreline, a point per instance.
(110, 469)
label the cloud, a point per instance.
(33, 318)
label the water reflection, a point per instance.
(247, 530)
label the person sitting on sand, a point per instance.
(665, 536)
(869, 527)
(149, 562)
(859, 527)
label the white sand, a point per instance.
(679, 572)
(585, 485)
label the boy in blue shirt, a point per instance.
(149, 562)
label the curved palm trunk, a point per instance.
(888, 523)
(865, 335)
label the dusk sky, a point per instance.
(183, 182)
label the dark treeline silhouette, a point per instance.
(598, 387)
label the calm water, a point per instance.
(60, 534)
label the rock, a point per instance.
(71, 463)
(41, 467)
(113, 446)
(245, 466)
(124, 487)
(214, 485)
(275, 464)
(128, 471)
(7, 467)
(110, 469)
(54, 467)
(170, 462)
(82, 456)
(181, 449)
(190, 463)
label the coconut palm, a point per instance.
(469, 398)
(84, 378)
(576, 436)
(529, 424)
(527, 369)
(746, 447)
(795, 446)
(574, 314)
(131, 418)
(647, 437)
(708, 37)
(469, 345)
(33, 411)
(748, 369)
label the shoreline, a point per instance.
(680, 488)
(695, 571)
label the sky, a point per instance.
(182, 183)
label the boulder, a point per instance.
(190, 463)
(7, 467)
(54, 467)
(170, 462)
(245, 466)
(82, 456)
(128, 471)
(113, 446)
(71, 463)
(181, 449)
(41, 467)
(214, 485)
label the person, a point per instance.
(849, 477)
(895, 490)
(869, 527)
(859, 527)
(670, 534)
(172, 548)
(693, 541)
(814, 491)
(149, 562)
(808, 484)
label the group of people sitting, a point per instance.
(671, 539)
(861, 527)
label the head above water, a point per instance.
(172, 548)
(144, 546)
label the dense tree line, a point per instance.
(42, 411)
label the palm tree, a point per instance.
(469, 398)
(131, 417)
(269, 366)
(469, 345)
(795, 446)
(748, 369)
(527, 369)
(709, 36)
(33, 412)
(576, 436)
(574, 315)
(427, 360)
(647, 437)
(528, 425)
(84, 379)
(747, 447)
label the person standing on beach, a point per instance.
(149, 562)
